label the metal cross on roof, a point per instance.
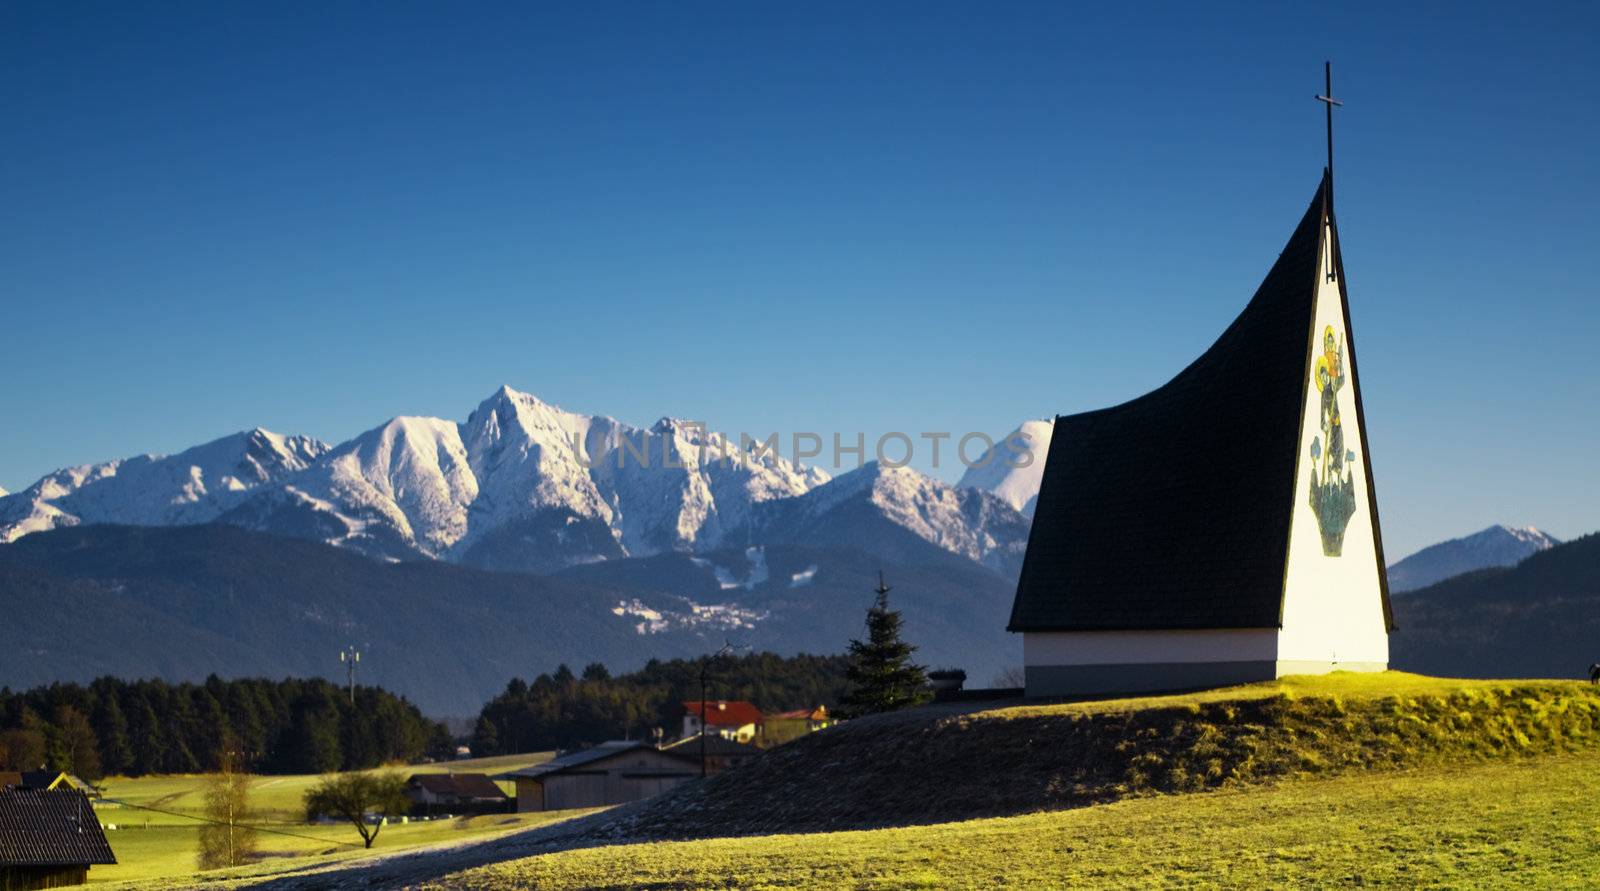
(1327, 98)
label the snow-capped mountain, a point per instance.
(193, 486)
(1014, 466)
(893, 510)
(1495, 546)
(523, 485)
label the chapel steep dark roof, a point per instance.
(1171, 511)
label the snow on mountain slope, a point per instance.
(523, 485)
(869, 508)
(405, 485)
(525, 455)
(663, 488)
(1013, 467)
(193, 486)
(1495, 546)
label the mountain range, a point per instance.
(524, 485)
(1539, 618)
(1494, 546)
(182, 602)
(462, 553)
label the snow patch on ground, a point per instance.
(803, 577)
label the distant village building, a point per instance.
(45, 780)
(1222, 528)
(613, 772)
(720, 752)
(784, 726)
(48, 838)
(455, 793)
(736, 720)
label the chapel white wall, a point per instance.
(1333, 606)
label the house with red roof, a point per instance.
(784, 726)
(735, 719)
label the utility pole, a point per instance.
(705, 672)
(350, 656)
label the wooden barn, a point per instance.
(614, 772)
(455, 793)
(48, 839)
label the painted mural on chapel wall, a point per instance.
(1333, 490)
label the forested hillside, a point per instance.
(112, 726)
(1540, 618)
(563, 710)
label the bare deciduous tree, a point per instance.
(352, 796)
(228, 840)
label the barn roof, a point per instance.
(50, 828)
(582, 758)
(460, 785)
(1172, 510)
(725, 712)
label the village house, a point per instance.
(736, 720)
(455, 793)
(784, 726)
(48, 838)
(720, 752)
(45, 780)
(613, 772)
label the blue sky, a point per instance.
(920, 216)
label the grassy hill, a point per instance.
(1520, 824)
(1346, 779)
(1540, 618)
(940, 764)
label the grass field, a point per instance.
(151, 844)
(1345, 779)
(1010, 760)
(1523, 824)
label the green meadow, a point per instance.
(160, 837)
(1525, 824)
(1344, 780)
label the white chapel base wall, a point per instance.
(1142, 677)
(1083, 663)
(1092, 663)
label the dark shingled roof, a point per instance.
(1172, 511)
(459, 785)
(50, 828)
(581, 758)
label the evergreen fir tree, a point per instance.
(116, 753)
(882, 676)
